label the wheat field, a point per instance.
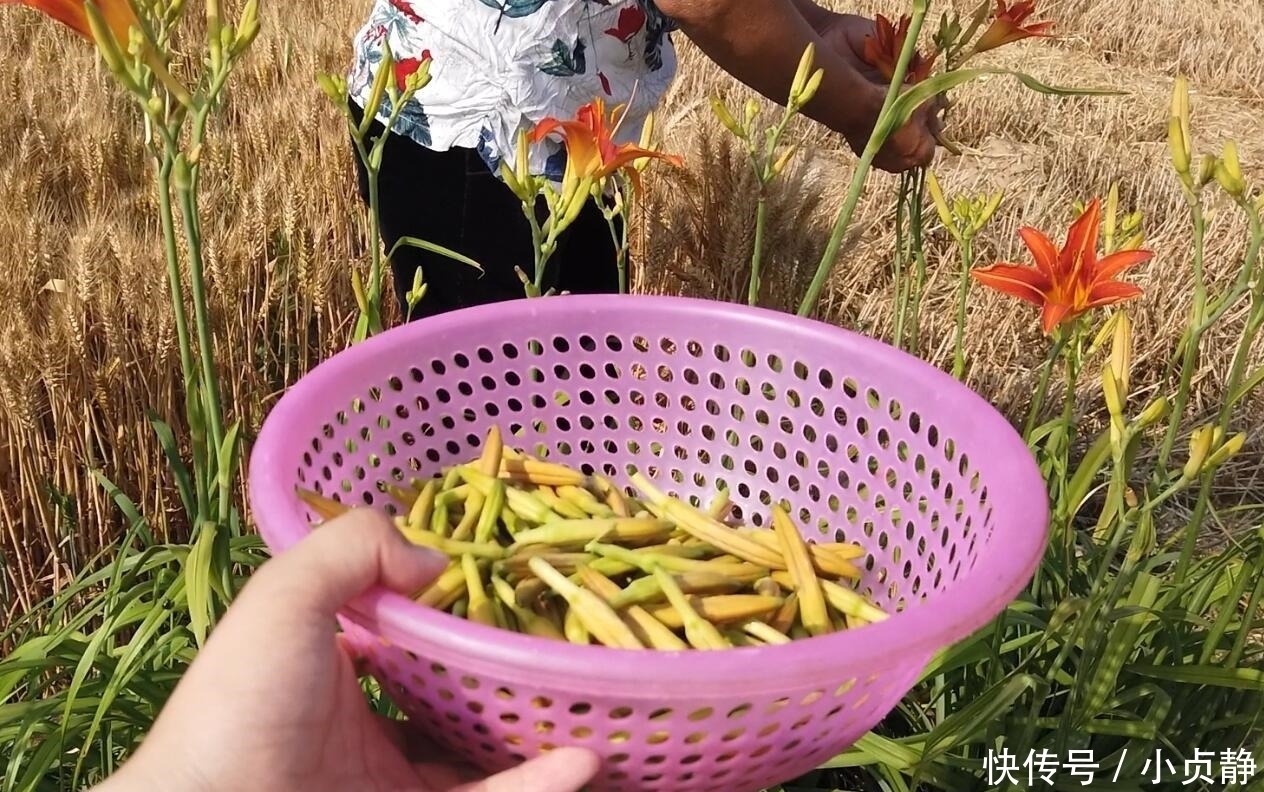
(87, 343)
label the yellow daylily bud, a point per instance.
(1229, 171)
(784, 160)
(726, 118)
(1208, 170)
(752, 110)
(1115, 405)
(801, 74)
(941, 205)
(247, 27)
(809, 90)
(1121, 353)
(1227, 451)
(1154, 412)
(1199, 448)
(357, 288)
(647, 131)
(1178, 134)
(334, 87)
(511, 181)
(989, 209)
(1107, 331)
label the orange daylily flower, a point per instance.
(118, 14)
(590, 148)
(1007, 26)
(1066, 283)
(882, 51)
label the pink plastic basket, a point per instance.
(866, 443)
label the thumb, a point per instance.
(341, 559)
(561, 770)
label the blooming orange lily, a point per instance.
(882, 51)
(1068, 283)
(590, 148)
(118, 15)
(1007, 26)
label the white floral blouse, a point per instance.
(498, 66)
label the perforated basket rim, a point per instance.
(1003, 568)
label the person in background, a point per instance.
(272, 702)
(501, 66)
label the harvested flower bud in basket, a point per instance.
(543, 549)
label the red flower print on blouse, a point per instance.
(406, 9)
(631, 21)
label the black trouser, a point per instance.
(452, 199)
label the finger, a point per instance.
(343, 558)
(393, 731)
(560, 770)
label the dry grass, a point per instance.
(87, 344)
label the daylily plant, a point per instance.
(591, 152)
(1067, 283)
(1007, 26)
(596, 166)
(883, 47)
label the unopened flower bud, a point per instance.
(1199, 447)
(1154, 412)
(1229, 171)
(1227, 451)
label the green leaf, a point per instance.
(974, 719)
(422, 244)
(1252, 382)
(171, 450)
(908, 102)
(1213, 676)
(197, 575)
(228, 458)
(135, 520)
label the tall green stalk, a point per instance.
(175, 283)
(963, 292)
(882, 129)
(1193, 337)
(1042, 387)
(761, 220)
(917, 249)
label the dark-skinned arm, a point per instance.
(760, 42)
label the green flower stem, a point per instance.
(876, 140)
(901, 257)
(619, 237)
(963, 291)
(1042, 387)
(1255, 320)
(1241, 357)
(916, 199)
(1192, 340)
(206, 342)
(1074, 362)
(761, 220)
(176, 288)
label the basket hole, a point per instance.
(701, 714)
(695, 738)
(619, 737)
(581, 732)
(658, 738)
(739, 711)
